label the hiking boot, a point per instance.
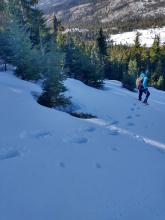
(145, 102)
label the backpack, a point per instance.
(139, 82)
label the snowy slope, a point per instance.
(56, 167)
(146, 38)
(92, 12)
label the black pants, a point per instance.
(141, 90)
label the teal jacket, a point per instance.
(142, 75)
(145, 82)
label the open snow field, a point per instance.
(57, 167)
(146, 38)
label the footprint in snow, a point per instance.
(91, 129)
(130, 124)
(113, 132)
(114, 149)
(81, 140)
(41, 135)
(9, 155)
(75, 140)
(137, 115)
(98, 166)
(62, 164)
(138, 203)
(36, 135)
(160, 151)
(115, 122)
(129, 117)
(120, 214)
(132, 109)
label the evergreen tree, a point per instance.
(136, 51)
(22, 44)
(69, 51)
(157, 73)
(161, 82)
(18, 51)
(94, 54)
(130, 78)
(31, 18)
(2, 14)
(102, 45)
(155, 53)
(69, 60)
(61, 40)
(55, 24)
(86, 71)
(5, 50)
(53, 88)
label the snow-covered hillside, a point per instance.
(55, 166)
(91, 13)
(146, 38)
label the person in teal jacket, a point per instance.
(140, 83)
(144, 88)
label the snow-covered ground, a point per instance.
(74, 30)
(57, 167)
(146, 38)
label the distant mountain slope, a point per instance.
(105, 12)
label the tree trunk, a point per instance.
(5, 67)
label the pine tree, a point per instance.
(155, 53)
(55, 24)
(102, 45)
(61, 40)
(136, 51)
(94, 54)
(69, 52)
(24, 47)
(53, 88)
(2, 14)
(69, 60)
(161, 83)
(4, 50)
(85, 70)
(130, 78)
(31, 18)
(3, 22)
